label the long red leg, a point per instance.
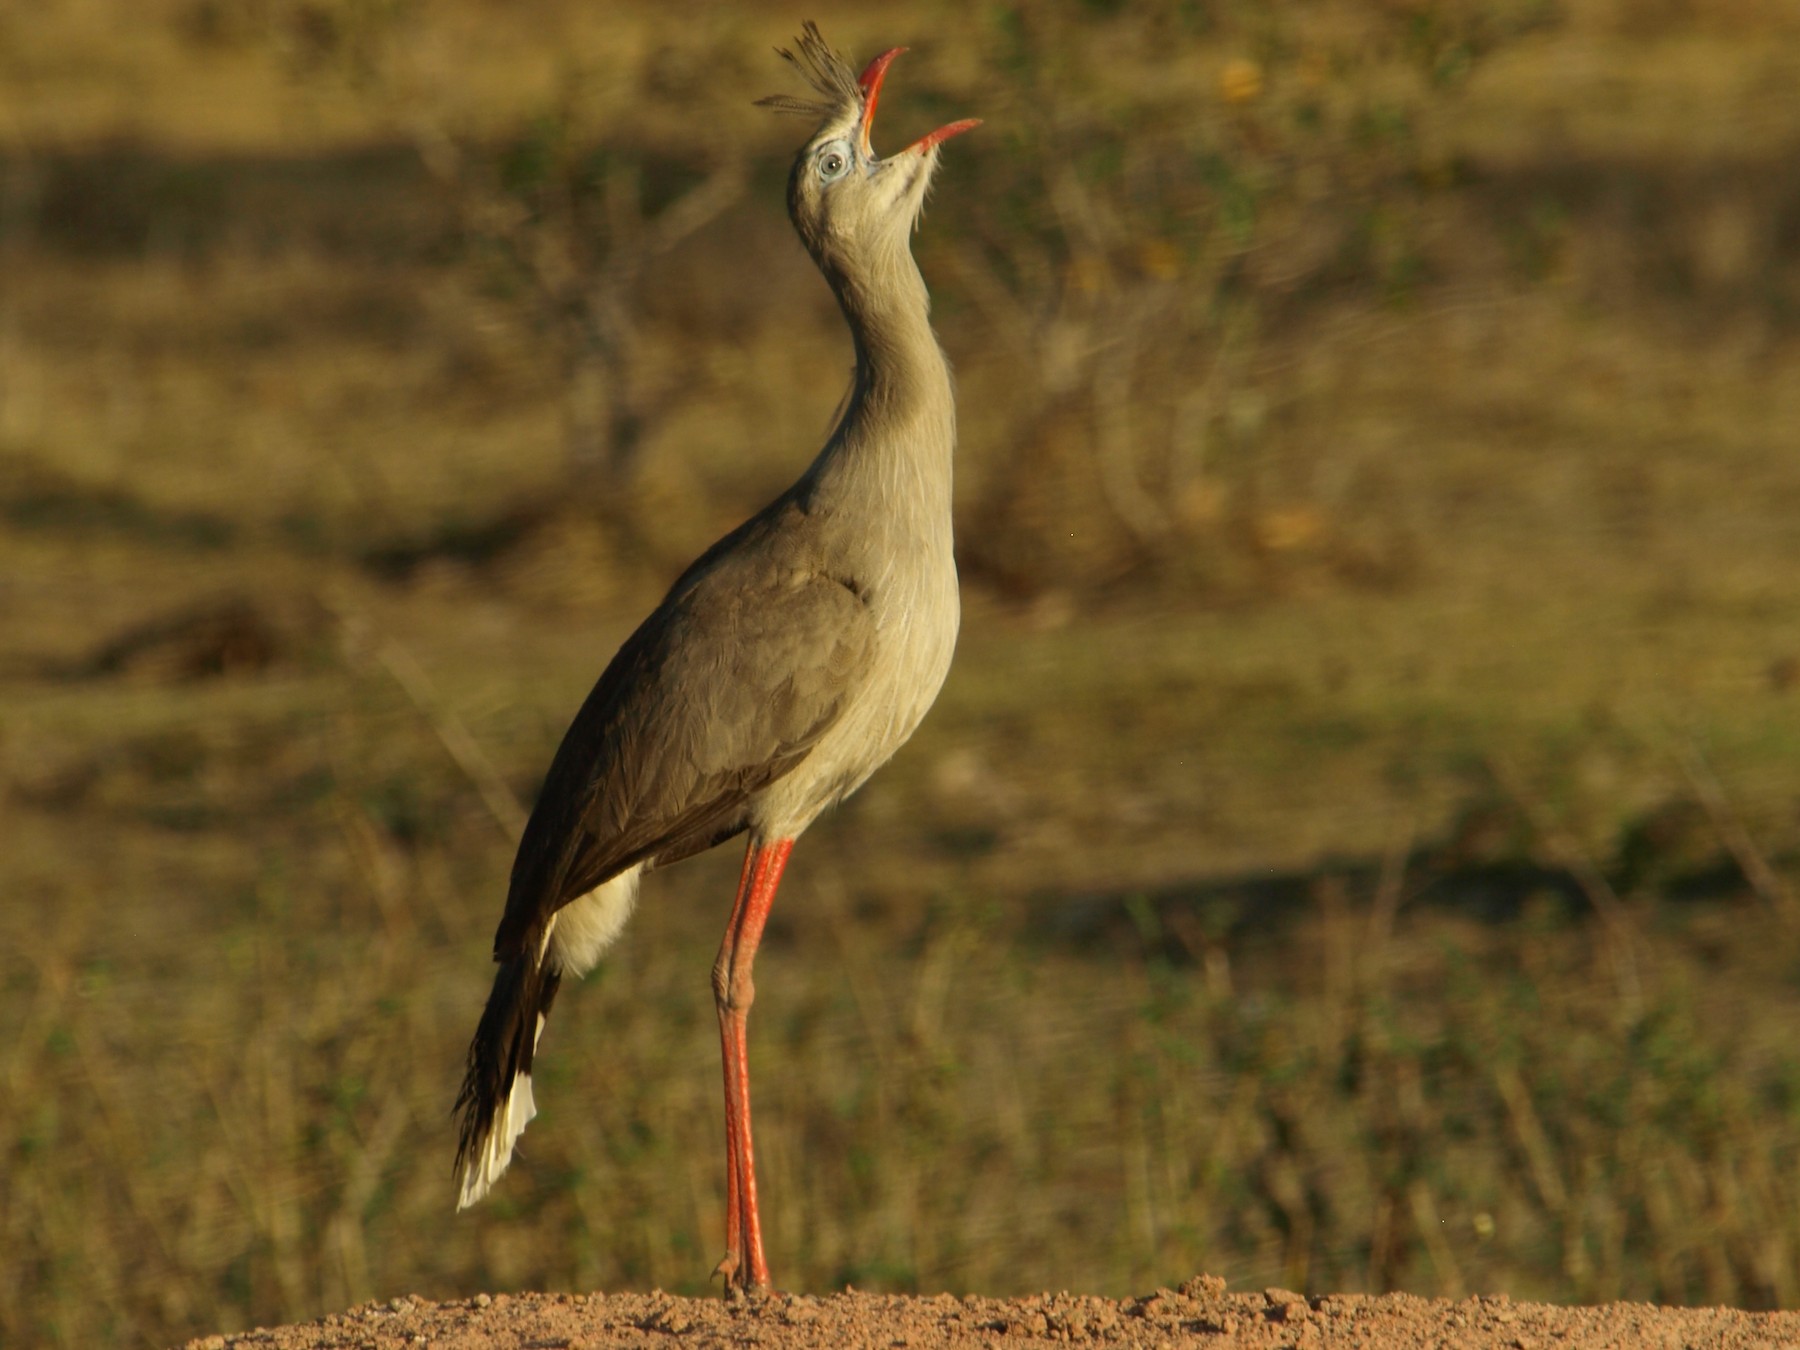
(734, 991)
(734, 1250)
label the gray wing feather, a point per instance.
(725, 688)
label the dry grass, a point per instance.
(1355, 848)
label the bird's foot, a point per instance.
(739, 1283)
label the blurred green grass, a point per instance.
(1356, 847)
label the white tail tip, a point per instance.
(483, 1170)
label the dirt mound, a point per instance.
(1200, 1311)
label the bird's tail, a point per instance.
(495, 1102)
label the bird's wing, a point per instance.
(723, 689)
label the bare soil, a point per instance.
(1201, 1311)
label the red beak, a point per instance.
(870, 83)
(942, 134)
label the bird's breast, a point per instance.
(917, 614)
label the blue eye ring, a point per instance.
(834, 161)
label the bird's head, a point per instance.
(850, 204)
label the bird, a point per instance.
(783, 668)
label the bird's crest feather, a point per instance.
(822, 67)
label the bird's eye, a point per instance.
(834, 161)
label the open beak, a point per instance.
(870, 83)
(936, 138)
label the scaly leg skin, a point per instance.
(744, 1267)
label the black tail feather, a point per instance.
(502, 1049)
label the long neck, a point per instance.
(886, 305)
(899, 424)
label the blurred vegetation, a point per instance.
(1357, 847)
